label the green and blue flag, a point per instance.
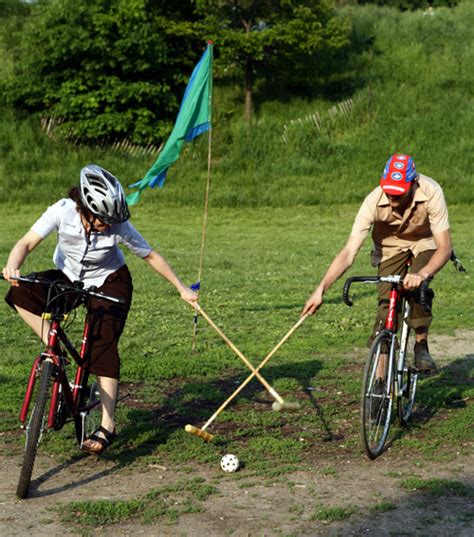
(194, 118)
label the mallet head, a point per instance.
(279, 407)
(207, 437)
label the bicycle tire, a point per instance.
(376, 399)
(409, 380)
(35, 429)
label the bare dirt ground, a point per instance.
(259, 506)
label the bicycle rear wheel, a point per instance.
(377, 397)
(35, 429)
(408, 381)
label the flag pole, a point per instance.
(206, 208)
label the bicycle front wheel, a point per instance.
(376, 397)
(35, 429)
(407, 380)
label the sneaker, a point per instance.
(423, 360)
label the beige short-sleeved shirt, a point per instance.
(393, 234)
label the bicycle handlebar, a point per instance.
(397, 280)
(350, 281)
(76, 287)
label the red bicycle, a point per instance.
(68, 401)
(389, 373)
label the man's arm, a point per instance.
(435, 264)
(18, 255)
(344, 259)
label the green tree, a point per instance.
(285, 38)
(108, 68)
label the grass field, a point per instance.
(260, 268)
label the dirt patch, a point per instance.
(343, 494)
(370, 492)
(447, 348)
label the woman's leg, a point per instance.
(36, 322)
(108, 388)
(107, 322)
(30, 301)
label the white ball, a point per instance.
(230, 463)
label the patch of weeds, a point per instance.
(332, 514)
(271, 456)
(395, 474)
(437, 486)
(248, 484)
(430, 520)
(467, 517)
(382, 507)
(170, 501)
(328, 470)
(296, 509)
(181, 448)
(277, 472)
(286, 384)
(100, 512)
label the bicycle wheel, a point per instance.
(376, 397)
(35, 429)
(408, 378)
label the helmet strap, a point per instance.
(91, 226)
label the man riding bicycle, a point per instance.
(90, 225)
(408, 216)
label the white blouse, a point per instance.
(92, 262)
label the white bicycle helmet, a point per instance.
(103, 195)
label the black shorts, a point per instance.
(107, 319)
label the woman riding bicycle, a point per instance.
(90, 225)
(409, 220)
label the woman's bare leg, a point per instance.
(37, 323)
(108, 388)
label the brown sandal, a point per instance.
(104, 442)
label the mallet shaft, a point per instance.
(278, 405)
(255, 372)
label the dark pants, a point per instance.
(398, 265)
(107, 319)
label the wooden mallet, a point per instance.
(279, 403)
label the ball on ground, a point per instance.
(230, 463)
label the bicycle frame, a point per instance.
(390, 326)
(396, 295)
(72, 394)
